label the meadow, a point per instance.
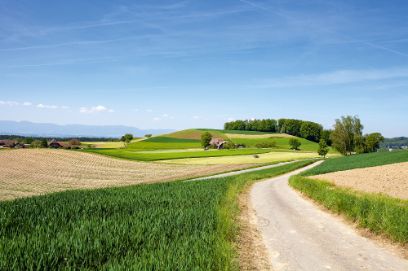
(359, 161)
(186, 144)
(166, 226)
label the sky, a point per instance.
(194, 63)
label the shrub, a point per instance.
(38, 144)
(323, 149)
(294, 143)
(229, 145)
(266, 144)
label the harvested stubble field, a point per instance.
(388, 179)
(30, 172)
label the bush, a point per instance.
(39, 144)
(229, 145)
(262, 145)
(294, 143)
(148, 135)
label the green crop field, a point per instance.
(155, 156)
(359, 161)
(146, 145)
(168, 226)
(165, 139)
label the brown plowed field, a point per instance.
(389, 179)
(30, 172)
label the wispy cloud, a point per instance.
(333, 78)
(30, 104)
(9, 103)
(95, 109)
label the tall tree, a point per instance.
(372, 142)
(347, 135)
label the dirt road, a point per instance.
(300, 236)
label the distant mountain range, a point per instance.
(25, 128)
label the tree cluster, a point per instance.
(347, 137)
(305, 129)
(260, 125)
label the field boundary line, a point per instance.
(238, 172)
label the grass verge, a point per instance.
(378, 213)
(167, 226)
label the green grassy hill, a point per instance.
(187, 144)
(250, 138)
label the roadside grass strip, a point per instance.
(359, 161)
(165, 226)
(379, 213)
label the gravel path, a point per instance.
(300, 236)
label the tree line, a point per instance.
(346, 137)
(300, 128)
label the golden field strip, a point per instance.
(29, 172)
(390, 179)
(265, 158)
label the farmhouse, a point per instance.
(55, 144)
(217, 143)
(8, 143)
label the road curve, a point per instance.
(300, 236)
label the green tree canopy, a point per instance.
(294, 143)
(127, 138)
(347, 135)
(323, 148)
(372, 142)
(205, 139)
(311, 131)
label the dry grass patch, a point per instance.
(390, 179)
(30, 172)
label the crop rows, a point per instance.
(167, 226)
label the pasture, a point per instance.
(166, 226)
(28, 172)
(186, 144)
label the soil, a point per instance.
(391, 180)
(29, 172)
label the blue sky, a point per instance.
(180, 64)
